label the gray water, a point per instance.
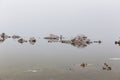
(57, 61)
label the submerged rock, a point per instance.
(83, 65)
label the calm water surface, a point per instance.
(98, 19)
(57, 61)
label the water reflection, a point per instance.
(33, 71)
(52, 40)
(16, 37)
(79, 45)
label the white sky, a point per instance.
(67, 17)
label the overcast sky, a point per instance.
(67, 17)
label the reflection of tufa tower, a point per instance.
(60, 37)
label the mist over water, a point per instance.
(97, 19)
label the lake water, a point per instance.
(57, 61)
(97, 19)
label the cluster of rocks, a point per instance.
(83, 65)
(78, 41)
(106, 67)
(21, 40)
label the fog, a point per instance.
(67, 17)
